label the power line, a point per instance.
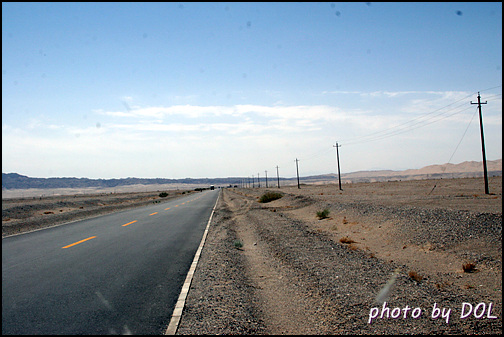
(410, 125)
(419, 126)
(456, 148)
(397, 131)
(410, 121)
(401, 128)
(491, 88)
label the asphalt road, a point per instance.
(115, 274)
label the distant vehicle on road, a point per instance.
(212, 187)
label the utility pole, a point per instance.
(258, 181)
(253, 182)
(297, 170)
(337, 158)
(278, 178)
(266, 174)
(482, 144)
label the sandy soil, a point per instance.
(379, 235)
(286, 276)
(20, 215)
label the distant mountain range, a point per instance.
(465, 169)
(17, 181)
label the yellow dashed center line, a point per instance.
(76, 243)
(129, 223)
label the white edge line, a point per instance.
(179, 307)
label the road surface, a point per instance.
(115, 274)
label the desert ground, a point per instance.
(278, 268)
(37, 209)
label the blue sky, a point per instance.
(175, 90)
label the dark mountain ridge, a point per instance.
(465, 169)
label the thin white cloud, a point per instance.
(341, 92)
(449, 95)
(275, 134)
(401, 93)
(189, 111)
(300, 112)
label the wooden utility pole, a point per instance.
(278, 178)
(337, 158)
(482, 144)
(297, 170)
(258, 181)
(266, 174)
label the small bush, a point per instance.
(346, 239)
(163, 194)
(238, 244)
(270, 196)
(323, 214)
(414, 275)
(469, 267)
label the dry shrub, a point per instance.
(346, 239)
(270, 196)
(323, 214)
(469, 267)
(415, 276)
(352, 246)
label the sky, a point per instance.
(209, 90)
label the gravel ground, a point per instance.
(276, 268)
(25, 214)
